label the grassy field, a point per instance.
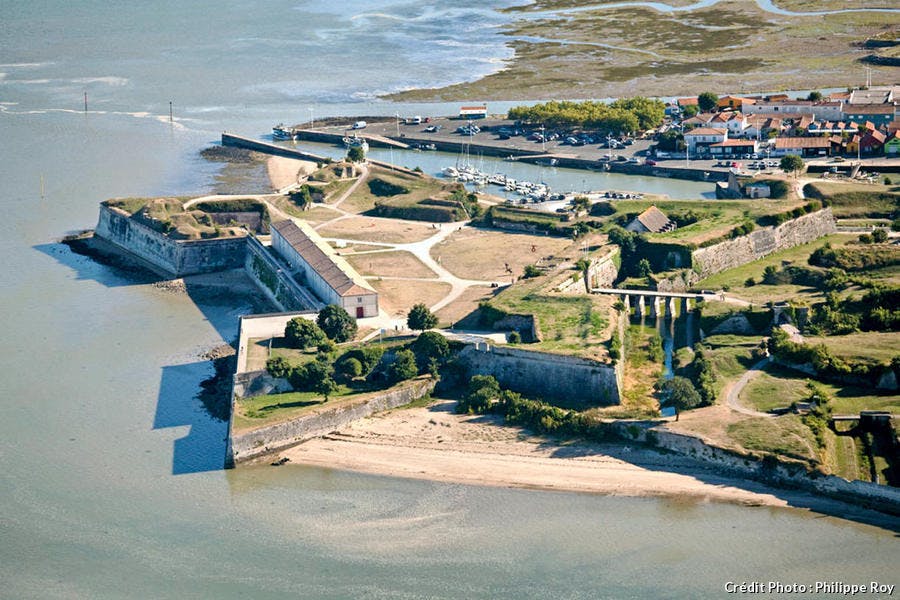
(872, 346)
(858, 200)
(570, 324)
(258, 411)
(733, 279)
(396, 297)
(482, 254)
(786, 435)
(730, 356)
(465, 305)
(390, 264)
(419, 188)
(642, 369)
(370, 229)
(727, 46)
(778, 387)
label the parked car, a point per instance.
(650, 162)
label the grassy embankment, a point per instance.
(205, 220)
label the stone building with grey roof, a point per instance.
(651, 220)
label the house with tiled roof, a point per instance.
(701, 138)
(872, 142)
(804, 146)
(312, 262)
(892, 146)
(733, 148)
(651, 220)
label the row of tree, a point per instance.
(620, 117)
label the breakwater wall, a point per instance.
(175, 258)
(542, 374)
(762, 242)
(247, 445)
(237, 141)
(769, 468)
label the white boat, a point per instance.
(280, 132)
(450, 172)
(355, 141)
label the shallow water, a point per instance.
(110, 471)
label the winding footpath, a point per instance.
(732, 396)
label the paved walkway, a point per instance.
(732, 396)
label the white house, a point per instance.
(703, 137)
(329, 276)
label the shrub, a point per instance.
(351, 368)
(880, 235)
(367, 356)
(865, 238)
(278, 366)
(531, 271)
(481, 393)
(420, 318)
(514, 337)
(382, 188)
(404, 367)
(429, 346)
(326, 346)
(749, 282)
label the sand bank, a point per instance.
(285, 171)
(433, 443)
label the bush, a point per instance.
(351, 368)
(367, 356)
(429, 346)
(514, 337)
(482, 391)
(382, 188)
(326, 346)
(302, 333)
(749, 282)
(278, 366)
(531, 271)
(865, 238)
(404, 367)
(880, 235)
(356, 155)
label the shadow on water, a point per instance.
(204, 447)
(196, 394)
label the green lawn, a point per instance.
(779, 387)
(258, 411)
(730, 356)
(858, 200)
(786, 435)
(872, 346)
(734, 279)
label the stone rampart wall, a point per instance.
(762, 242)
(275, 282)
(247, 445)
(543, 374)
(775, 471)
(173, 257)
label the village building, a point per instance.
(698, 140)
(803, 146)
(316, 265)
(818, 110)
(733, 148)
(732, 102)
(879, 115)
(473, 112)
(651, 220)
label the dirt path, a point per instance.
(733, 392)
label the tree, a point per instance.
(584, 265)
(690, 110)
(680, 394)
(430, 346)
(879, 235)
(404, 366)
(326, 386)
(481, 393)
(581, 203)
(644, 268)
(278, 366)
(301, 197)
(420, 318)
(815, 96)
(791, 164)
(356, 155)
(302, 333)
(336, 323)
(707, 101)
(319, 377)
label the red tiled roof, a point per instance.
(802, 142)
(707, 131)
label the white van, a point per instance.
(359, 125)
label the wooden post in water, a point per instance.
(170, 111)
(85, 101)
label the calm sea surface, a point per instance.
(110, 479)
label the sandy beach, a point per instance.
(434, 443)
(286, 171)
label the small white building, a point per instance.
(329, 276)
(473, 112)
(704, 137)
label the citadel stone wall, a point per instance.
(545, 375)
(173, 257)
(762, 242)
(244, 446)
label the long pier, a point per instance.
(237, 141)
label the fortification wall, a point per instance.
(247, 445)
(275, 283)
(602, 272)
(174, 257)
(544, 375)
(762, 242)
(773, 470)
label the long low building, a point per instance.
(328, 275)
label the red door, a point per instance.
(359, 312)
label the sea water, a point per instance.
(110, 470)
